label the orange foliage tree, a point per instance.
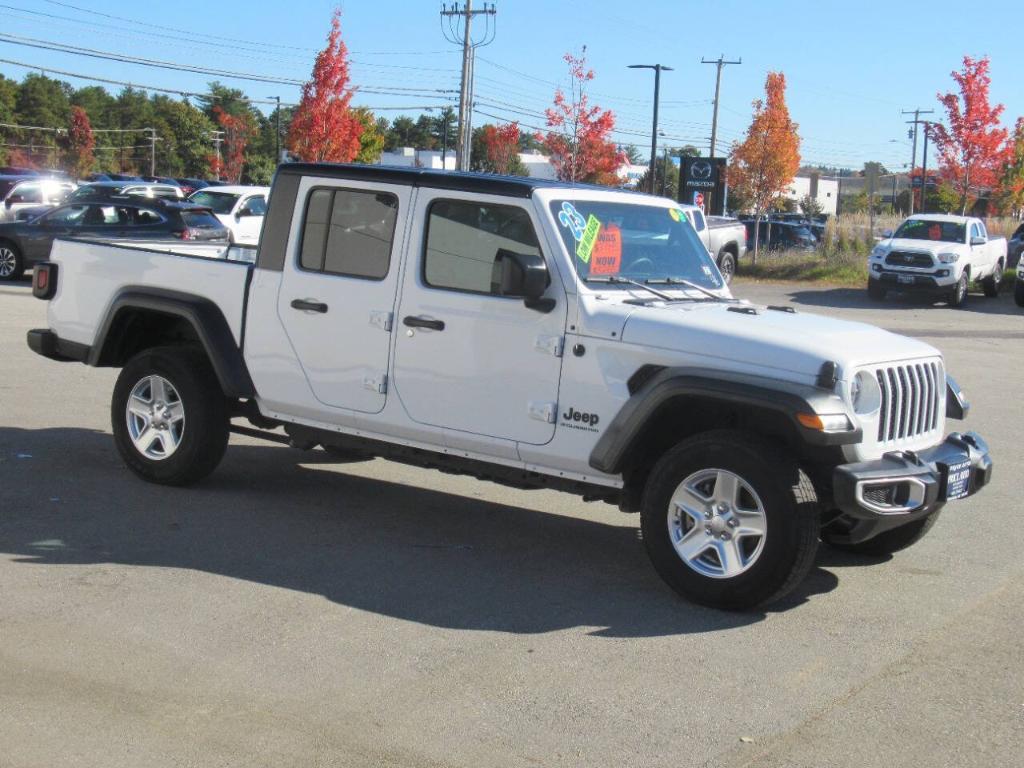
(501, 144)
(1010, 197)
(973, 147)
(578, 142)
(80, 143)
(325, 128)
(762, 166)
(238, 130)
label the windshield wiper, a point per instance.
(637, 283)
(688, 284)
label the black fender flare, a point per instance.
(204, 316)
(613, 448)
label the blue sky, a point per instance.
(851, 67)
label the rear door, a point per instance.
(466, 358)
(338, 288)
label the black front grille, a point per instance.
(908, 259)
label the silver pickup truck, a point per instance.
(725, 238)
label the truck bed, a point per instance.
(95, 272)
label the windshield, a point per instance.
(218, 202)
(923, 229)
(645, 243)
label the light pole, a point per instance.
(277, 134)
(658, 69)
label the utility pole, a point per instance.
(152, 150)
(658, 68)
(719, 63)
(924, 171)
(469, 46)
(217, 137)
(913, 151)
(277, 135)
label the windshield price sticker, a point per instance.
(572, 220)
(607, 256)
(589, 239)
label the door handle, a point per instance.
(422, 322)
(309, 305)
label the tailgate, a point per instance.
(91, 275)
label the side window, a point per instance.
(975, 230)
(463, 239)
(255, 206)
(143, 216)
(348, 232)
(981, 230)
(27, 193)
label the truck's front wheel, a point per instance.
(169, 416)
(728, 521)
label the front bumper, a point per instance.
(903, 486)
(915, 281)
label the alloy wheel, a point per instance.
(156, 417)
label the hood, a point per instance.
(792, 342)
(921, 246)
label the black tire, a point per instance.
(876, 291)
(959, 295)
(204, 429)
(727, 265)
(790, 513)
(1018, 293)
(888, 542)
(12, 265)
(991, 283)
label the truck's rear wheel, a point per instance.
(888, 542)
(728, 521)
(727, 265)
(991, 283)
(169, 416)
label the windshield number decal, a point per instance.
(589, 239)
(607, 256)
(572, 220)
(676, 214)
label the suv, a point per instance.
(535, 333)
(23, 243)
(20, 194)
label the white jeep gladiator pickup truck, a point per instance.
(536, 334)
(938, 254)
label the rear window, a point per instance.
(200, 220)
(220, 202)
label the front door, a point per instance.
(466, 358)
(338, 289)
(250, 219)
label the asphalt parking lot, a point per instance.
(291, 611)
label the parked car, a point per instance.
(21, 193)
(535, 333)
(240, 209)
(102, 190)
(1018, 286)
(188, 186)
(724, 237)
(24, 243)
(780, 235)
(1014, 247)
(938, 254)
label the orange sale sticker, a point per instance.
(606, 259)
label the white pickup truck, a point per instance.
(725, 239)
(532, 333)
(937, 254)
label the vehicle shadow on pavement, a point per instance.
(291, 519)
(857, 298)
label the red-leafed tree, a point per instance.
(238, 130)
(972, 148)
(1010, 197)
(501, 143)
(80, 143)
(325, 128)
(578, 143)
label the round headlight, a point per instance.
(865, 394)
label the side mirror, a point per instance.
(978, 240)
(887, 233)
(522, 275)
